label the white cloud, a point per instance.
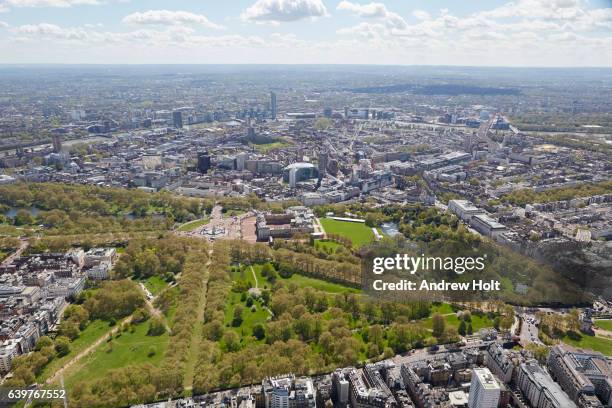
(377, 11)
(276, 11)
(167, 17)
(421, 14)
(365, 30)
(3, 24)
(46, 30)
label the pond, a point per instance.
(390, 228)
(12, 212)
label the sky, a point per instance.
(542, 33)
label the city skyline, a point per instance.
(531, 33)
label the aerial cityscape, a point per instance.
(302, 220)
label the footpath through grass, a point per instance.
(155, 284)
(126, 347)
(93, 331)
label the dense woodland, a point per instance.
(525, 196)
(146, 382)
(75, 209)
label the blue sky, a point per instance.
(434, 32)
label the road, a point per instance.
(219, 226)
(529, 330)
(23, 245)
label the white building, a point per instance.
(540, 389)
(464, 209)
(8, 351)
(484, 390)
(487, 226)
(97, 255)
(100, 271)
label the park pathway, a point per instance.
(196, 336)
(59, 373)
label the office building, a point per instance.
(177, 119)
(539, 388)
(484, 390)
(323, 160)
(583, 374)
(273, 106)
(289, 392)
(57, 143)
(296, 172)
(203, 162)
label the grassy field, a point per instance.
(300, 281)
(452, 320)
(233, 213)
(92, 332)
(604, 324)
(191, 225)
(155, 284)
(328, 246)
(249, 318)
(265, 148)
(601, 344)
(329, 287)
(128, 348)
(357, 232)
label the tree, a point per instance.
(373, 351)
(266, 269)
(231, 341)
(469, 329)
(259, 331)
(237, 316)
(44, 341)
(572, 320)
(156, 327)
(23, 217)
(77, 314)
(496, 322)
(462, 328)
(69, 328)
(438, 325)
(539, 352)
(62, 346)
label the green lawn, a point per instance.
(328, 246)
(358, 233)
(325, 286)
(300, 280)
(249, 318)
(442, 308)
(601, 344)
(155, 284)
(452, 320)
(92, 332)
(129, 348)
(191, 225)
(604, 324)
(265, 148)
